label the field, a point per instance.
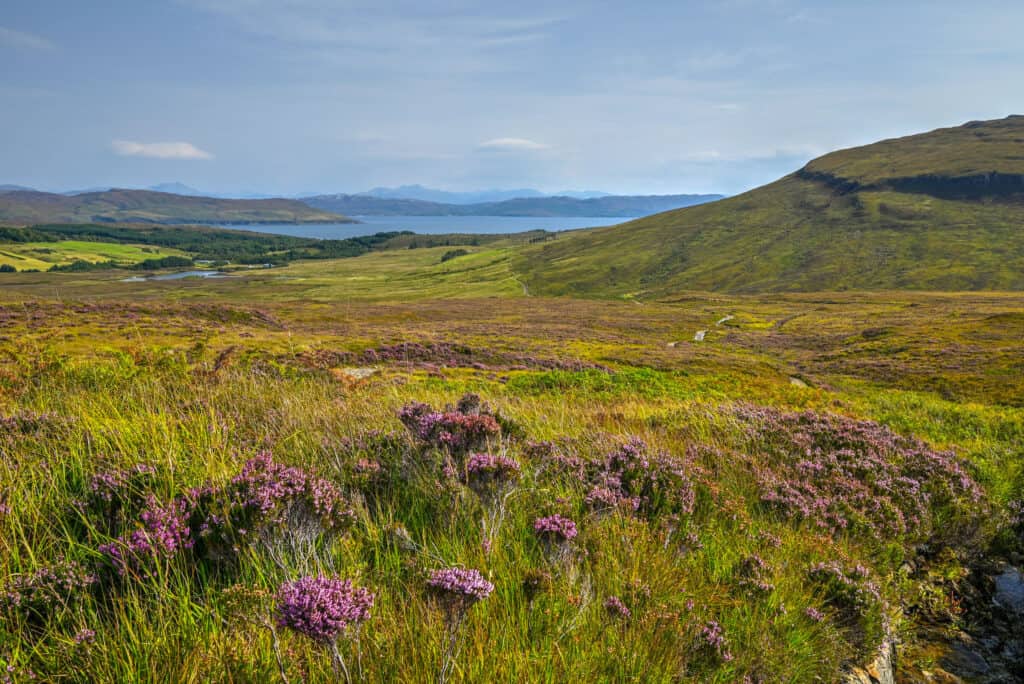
(41, 256)
(137, 544)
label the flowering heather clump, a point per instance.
(115, 495)
(455, 430)
(165, 530)
(814, 614)
(849, 588)
(713, 638)
(453, 355)
(490, 476)
(459, 586)
(754, 574)
(840, 473)
(456, 590)
(555, 528)
(269, 501)
(85, 636)
(632, 478)
(322, 608)
(26, 422)
(39, 595)
(109, 485)
(616, 608)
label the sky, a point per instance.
(643, 97)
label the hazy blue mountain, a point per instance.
(15, 188)
(176, 188)
(146, 206)
(610, 205)
(419, 192)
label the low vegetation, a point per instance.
(313, 490)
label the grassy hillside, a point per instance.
(144, 206)
(834, 225)
(42, 256)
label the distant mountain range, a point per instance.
(146, 206)
(419, 192)
(942, 210)
(625, 206)
(407, 200)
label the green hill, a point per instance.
(938, 211)
(146, 206)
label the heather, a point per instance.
(224, 509)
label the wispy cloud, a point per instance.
(513, 144)
(23, 40)
(160, 150)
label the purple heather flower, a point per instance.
(85, 636)
(714, 638)
(457, 430)
(556, 528)
(322, 608)
(814, 614)
(616, 608)
(466, 586)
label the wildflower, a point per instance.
(456, 589)
(85, 636)
(616, 608)
(456, 431)
(814, 614)
(488, 475)
(713, 638)
(459, 586)
(555, 528)
(40, 594)
(323, 609)
(837, 473)
(164, 531)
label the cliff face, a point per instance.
(980, 186)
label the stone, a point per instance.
(1010, 590)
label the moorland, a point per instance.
(534, 457)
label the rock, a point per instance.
(1010, 590)
(354, 373)
(797, 382)
(882, 670)
(699, 337)
(940, 676)
(965, 660)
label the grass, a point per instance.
(194, 379)
(981, 148)
(42, 255)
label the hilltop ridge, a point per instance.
(936, 211)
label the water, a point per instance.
(433, 225)
(175, 276)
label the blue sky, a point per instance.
(291, 96)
